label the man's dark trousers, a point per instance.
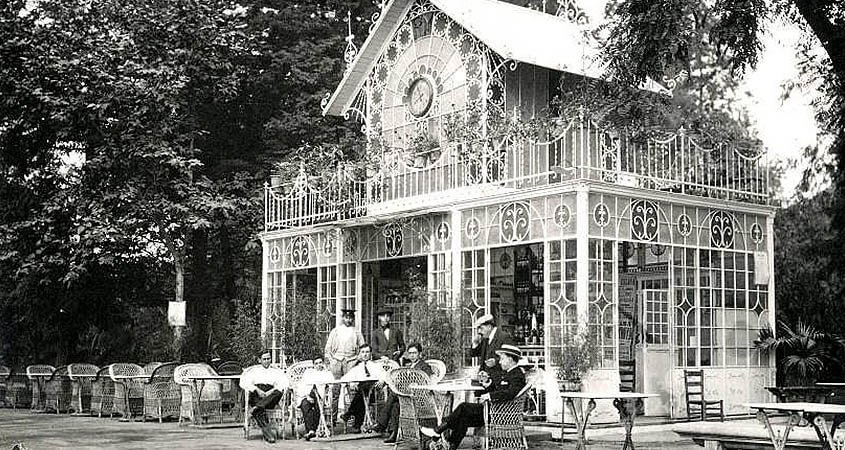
(263, 404)
(464, 416)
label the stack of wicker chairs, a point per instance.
(37, 375)
(102, 393)
(209, 404)
(4, 383)
(439, 369)
(416, 407)
(162, 396)
(503, 422)
(18, 391)
(82, 377)
(230, 394)
(58, 390)
(128, 392)
(294, 372)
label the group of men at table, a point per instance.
(348, 358)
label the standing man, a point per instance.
(342, 349)
(265, 386)
(468, 414)
(387, 342)
(485, 343)
(388, 418)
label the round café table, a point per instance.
(624, 402)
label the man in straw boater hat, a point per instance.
(342, 346)
(502, 388)
(387, 342)
(486, 342)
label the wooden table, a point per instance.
(197, 386)
(447, 392)
(814, 413)
(624, 402)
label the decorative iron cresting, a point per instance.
(722, 229)
(514, 222)
(644, 220)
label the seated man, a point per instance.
(265, 386)
(306, 396)
(499, 389)
(364, 369)
(388, 418)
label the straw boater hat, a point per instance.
(510, 350)
(487, 318)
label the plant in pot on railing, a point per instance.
(579, 352)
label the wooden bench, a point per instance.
(726, 435)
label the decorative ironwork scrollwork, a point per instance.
(684, 225)
(601, 215)
(473, 228)
(722, 229)
(644, 220)
(393, 239)
(298, 251)
(562, 215)
(756, 233)
(514, 223)
(443, 232)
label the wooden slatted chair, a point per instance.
(698, 408)
(18, 391)
(209, 404)
(439, 369)
(58, 390)
(102, 393)
(416, 407)
(37, 375)
(503, 422)
(4, 384)
(81, 377)
(162, 396)
(128, 400)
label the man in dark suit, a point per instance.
(500, 389)
(486, 342)
(388, 419)
(387, 342)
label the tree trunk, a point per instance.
(179, 331)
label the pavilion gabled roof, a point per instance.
(514, 32)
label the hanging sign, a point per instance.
(176, 314)
(761, 268)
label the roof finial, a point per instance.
(351, 50)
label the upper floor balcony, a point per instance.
(405, 179)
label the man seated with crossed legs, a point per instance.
(265, 386)
(504, 387)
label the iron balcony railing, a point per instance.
(581, 150)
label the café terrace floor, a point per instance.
(51, 431)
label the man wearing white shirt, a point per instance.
(265, 386)
(365, 369)
(306, 396)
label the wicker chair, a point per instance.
(18, 390)
(209, 403)
(416, 407)
(503, 426)
(58, 390)
(230, 395)
(4, 383)
(37, 375)
(102, 393)
(439, 369)
(82, 377)
(276, 416)
(150, 367)
(128, 392)
(162, 396)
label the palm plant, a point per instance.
(806, 351)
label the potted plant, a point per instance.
(579, 352)
(436, 327)
(805, 352)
